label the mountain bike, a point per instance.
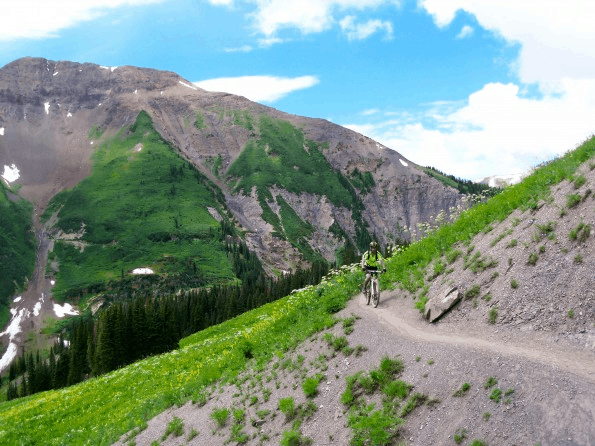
(373, 290)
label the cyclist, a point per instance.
(370, 261)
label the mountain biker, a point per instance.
(370, 262)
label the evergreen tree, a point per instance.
(62, 364)
(106, 343)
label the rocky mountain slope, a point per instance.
(48, 110)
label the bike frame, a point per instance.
(374, 287)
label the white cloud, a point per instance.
(497, 132)
(371, 111)
(41, 18)
(269, 41)
(308, 16)
(466, 31)
(362, 31)
(259, 88)
(221, 2)
(240, 49)
(556, 37)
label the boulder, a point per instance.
(441, 301)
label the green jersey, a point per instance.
(372, 260)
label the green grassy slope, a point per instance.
(17, 248)
(100, 410)
(142, 206)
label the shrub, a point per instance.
(374, 428)
(220, 416)
(581, 232)
(452, 256)
(287, 406)
(460, 435)
(390, 366)
(514, 283)
(546, 228)
(239, 415)
(175, 426)
(478, 442)
(493, 315)
(496, 395)
(572, 200)
(310, 387)
(490, 382)
(532, 259)
(337, 343)
(578, 259)
(472, 292)
(416, 400)
(397, 389)
(570, 313)
(439, 267)
(579, 181)
(348, 324)
(294, 437)
(463, 390)
(359, 349)
(192, 434)
(486, 416)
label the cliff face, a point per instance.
(48, 109)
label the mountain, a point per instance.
(88, 143)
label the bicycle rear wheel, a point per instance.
(375, 293)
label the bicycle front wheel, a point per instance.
(375, 294)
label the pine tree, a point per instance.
(105, 343)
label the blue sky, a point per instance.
(473, 88)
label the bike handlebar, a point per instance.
(374, 271)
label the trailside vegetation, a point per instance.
(17, 247)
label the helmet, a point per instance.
(373, 245)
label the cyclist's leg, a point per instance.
(366, 282)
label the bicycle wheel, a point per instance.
(375, 293)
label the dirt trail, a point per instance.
(542, 348)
